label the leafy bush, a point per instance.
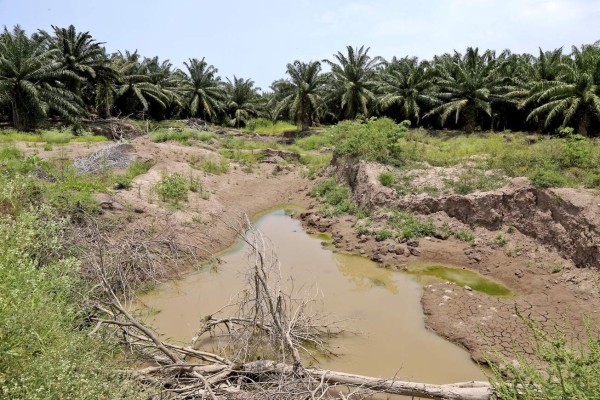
(464, 235)
(316, 141)
(172, 188)
(374, 140)
(546, 178)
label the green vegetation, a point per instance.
(48, 136)
(184, 136)
(69, 74)
(557, 369)
(335, 198)
(45, 349)
(373, 140)
(476, 180)
(571, 160)
(212, 167)
(268, 127)
(408, 226)
(172, 188)
(387, 179)
(460, 277)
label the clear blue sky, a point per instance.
(256, 39)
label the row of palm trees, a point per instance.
(68, 75)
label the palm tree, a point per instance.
(169, 82)
(77, 52)
(103, 86)
(32, 81)
(243, 101)
(135, 90)
(574, 95)
(353, 81)
(301, 97)
(466, 86)
(204, 89)
(408, 85)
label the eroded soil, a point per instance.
(549, 257)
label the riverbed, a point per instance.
(381, 307)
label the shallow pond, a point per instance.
(382, 305)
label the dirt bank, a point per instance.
(202, 219)
(548, 255)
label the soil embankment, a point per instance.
(549, 255)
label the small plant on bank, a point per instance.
(383, 234)
(387, 179)
(335, 198)
(464, 235)
(172, 188)
(500, 240)
(212, 167)
(557, 369)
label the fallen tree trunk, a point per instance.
(474, 390)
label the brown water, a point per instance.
(383, 305)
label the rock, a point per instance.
(401, 250)
(414, 251)
(376, 257)
(467, 287)
(412, 243)
(519, 273)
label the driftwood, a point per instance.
(268, 322)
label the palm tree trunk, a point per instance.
(583, 125)
(16, 117)
(305, 122)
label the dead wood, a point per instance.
(268, 321)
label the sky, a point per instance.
(257, 39)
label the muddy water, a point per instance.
(383, 305)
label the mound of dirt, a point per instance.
(566, 219)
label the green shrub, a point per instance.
(374, 140)
(464, 235)
(172, 188)
(387, 179)
(556, 369)
(335, 198)
(122, 182)
(383, 234)
(316, 141)
(408, 226)
(546, 178)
